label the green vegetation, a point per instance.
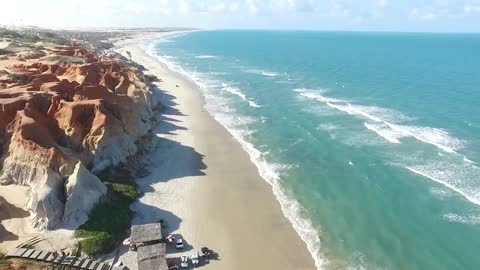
(3, 259)
(109, 221)
(33, 36)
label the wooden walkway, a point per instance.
(51, 257)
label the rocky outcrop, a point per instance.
(62, 122)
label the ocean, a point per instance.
(371, 141)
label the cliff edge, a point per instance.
(63, 118)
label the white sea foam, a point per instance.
(236, 91)
(263, 72)
(460, 180)
(434, 136)
(270, 172)
(382, 122)
(357, 262)
(316, 94)
(353, 110)
(384, 132)
(464, 219)
(270, 74)
(468, 160)
(254, 104)
(205, 56)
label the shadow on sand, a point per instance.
(167, 101)
(202, 262)
(170, 160)
(171, 249)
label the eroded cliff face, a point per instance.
(62, 121)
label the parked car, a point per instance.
(170, 238)
(172, 265)
(206, 252)
(179, 243)
(184, 262)
(195, 259)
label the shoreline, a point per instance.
(224, 202)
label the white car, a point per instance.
(184, 262)
(179, 243)
(195, 259)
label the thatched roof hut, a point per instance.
(146, 233)
(152, 257)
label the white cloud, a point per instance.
(233, 7)
(340, 9)
(252, 7)
(382, 4)
(184, 6)
(422, 14)
(446, 9)
(471, 8)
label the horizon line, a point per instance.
(73, 28)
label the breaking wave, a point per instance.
(263, 72)
(459, 180)
(384, 132)
(270, 74)
(454, 171)
(381, 122)
(205, 56)
(236, 91)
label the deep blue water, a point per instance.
(370, 140)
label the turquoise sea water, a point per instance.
(371, 141)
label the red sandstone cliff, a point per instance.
(59, 118)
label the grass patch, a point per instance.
(3, 259)
(30, 37)
(109, 221)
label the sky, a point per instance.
(343, 15)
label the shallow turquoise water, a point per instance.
(375, 135)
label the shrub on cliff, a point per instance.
(3, 259)
(109, 221)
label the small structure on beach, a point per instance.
(151, 250)
(144, 235)
(152, 257)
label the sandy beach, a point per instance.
(205, 186)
